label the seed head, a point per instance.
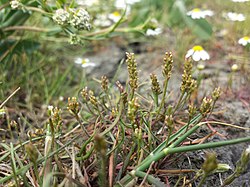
(104, 83)
(132, 71)
(73, 105)
(216, 94)
(155, 86)
(168, 65)
(206, 106)
(133, 107)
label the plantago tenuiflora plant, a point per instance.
(119, 136)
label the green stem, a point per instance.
(169, 150)
(163, 97)
(202, 180)
(179, 102)
(82, 125)
(35, 9)
(117, 119)
(28, 28)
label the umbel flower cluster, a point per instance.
(77, 18)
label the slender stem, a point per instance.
(82, 125)
(179, 102)
(163, 97)
(35, 9)
(26, 28)
(117, 119)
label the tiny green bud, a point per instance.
(210, 163)
(31, 152)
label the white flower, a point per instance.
(234, 67)
(153, 32)
(197, 53)
(102, 20)
(232, 16)
(84, 62)
(61, 17)
(123, 3)
(15, 4)
(240, 1)
(87, 2)
(115, 16)
(61, 98)
(244, 41)
(198, 13)
(51, 109)
(74, 39)
(80, 19)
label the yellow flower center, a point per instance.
(84, 61)
(196, 10)
(116, 14)
(197, 48)
(246, 38)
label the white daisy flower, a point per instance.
(153, 32)
(240, 1)
(198, 13)
(244, 41)
(232, 16)
(197, 53)
(115, 16)
(84, 62)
